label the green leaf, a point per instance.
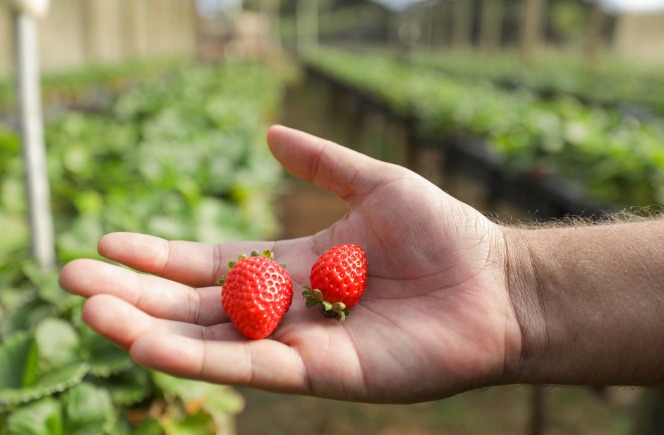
(42, 417)
(112, 362)
(129, 387)
(15, 230)
(62, 378)
(88, 410)
(53, 382)
(58, 342)
(18, 362)
(80, 239)
(148, 427)
(27, 316)
(48, 287)
(215, 220)
(211, 397)
(195, 424)
(104, 357)
(31, 367)
(14, 294)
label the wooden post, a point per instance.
(491, 25)
(307, 24)
(649, 418)
(271, 9)
(32, 131)
(531, 28)
(439, 26)
(594, 35)
(462, 25)
(408, 32)
(538, 413)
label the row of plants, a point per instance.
(90, 84)
(612, 82)
(611, 159)
(181, 157)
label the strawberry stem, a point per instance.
(315, 297)
(268, 253)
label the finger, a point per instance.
(123, 323)
(198, 264)
(192, 263)
(332, 167)
(156, 296)
(264, 364)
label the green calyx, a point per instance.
(330, 309)
(267, 254)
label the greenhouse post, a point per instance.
(26, 15)
(307, 24)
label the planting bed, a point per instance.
(516, 139)
(179, 154)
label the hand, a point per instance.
(436, 318)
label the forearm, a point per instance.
(590, 302)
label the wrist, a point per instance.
(588, 300)
(522, 285)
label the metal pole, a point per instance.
(32, 133)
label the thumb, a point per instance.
(332, 167)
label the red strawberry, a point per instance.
(338, 279)
(256, 294)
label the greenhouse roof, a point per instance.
(397, 5)
(611, 6)
(632, 6)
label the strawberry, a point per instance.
(256, 294)
(338, 279)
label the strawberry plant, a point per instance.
(180, 156)
(612, 83)
(93, 86)
(58, 376)
(615, 160)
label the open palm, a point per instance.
(436, 318)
